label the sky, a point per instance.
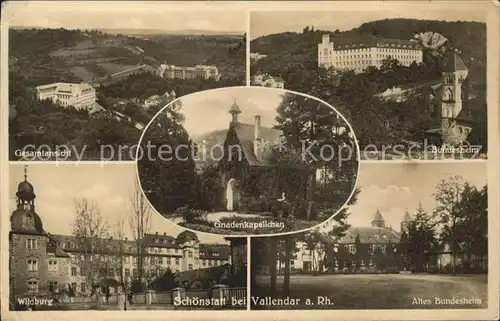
(110, 185)
(393, 187)
(208, 111)
(125, 15)
(267, 22)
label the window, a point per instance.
(127, 273)
(202, 253)
(352, 248)
(52, 265)
(190, 266)
(111, 273)
(32, 286)
(196, 261)
(134, 272)
(190, 254)
(168, 260)
(73, 271)
(62, 244)
(71, 245)
(53, 286)
(31, 244)
(215, 254)
(177, 261)
(83, 287)
(204, 262)
(127, 259)
(32, 265)
(73, 286)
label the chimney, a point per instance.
(126, 239)
(164, 233)
(156, 233)
(257, 139)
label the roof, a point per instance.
(245, 134)
(378, 217)
(407, 216)
(63, 87)
(453, 62)
(210, 249)
(370, 41)
(465, 115)
(371, 235)
(54, 248)
(234, 109)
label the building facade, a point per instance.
(359, 54)
(366, 249)
(80, 96)
(199, 71)
(266, 80)
(42, 263)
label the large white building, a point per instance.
(359, 54)
(80, 96)
(199, 71)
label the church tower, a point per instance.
(27, 244)
(406, 221)
(454, 99)
(234, 111)
(378, 220)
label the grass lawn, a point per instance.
(372, 291)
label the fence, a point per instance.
(233, 298)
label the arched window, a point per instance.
(448, 94)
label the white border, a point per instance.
(284, 91)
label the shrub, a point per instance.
(190, 215)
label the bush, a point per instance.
(190, 215)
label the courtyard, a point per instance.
(376, 291)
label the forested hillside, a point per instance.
(290, 50)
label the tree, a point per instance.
(91, 230)
(140, 225)
(309, 126)
(121, 252)
(168, 175)
(418, 239)
(164, 282)
(472, 225)
(448, 212)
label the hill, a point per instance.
(47, 55)
(300, 49)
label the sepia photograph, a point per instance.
(248, 160)
(84, 83)
(411, 83)
(416, 237)
(83, 237)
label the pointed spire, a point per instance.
(234, 111)
(407, 216)
(25, 173)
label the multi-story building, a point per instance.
(359, 54)
(362, 248)
(266, 80)
(42, 263)
(199, 71)
(79, 96)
